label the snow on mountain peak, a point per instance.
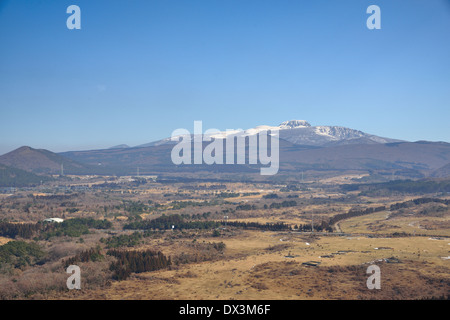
(291, 124)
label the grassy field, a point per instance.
(268, 265)
(410, 244)
(381, 223)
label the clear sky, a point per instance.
(138, 69)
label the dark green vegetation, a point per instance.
(284, 204)
(22, 230)
(354, 213)
(75, 227)
(20, 254)
(93, 254)
(246, 207)
(416, 202)
(71, 227)
(323, 226)
(14, 177)
(123, 240)
(138, 207)
(184, 204)
(166, 222)
(278, 226)
(228, 195)
(400, 186)
(136, 261)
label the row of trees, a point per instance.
(176, 205)
(284, 204)
(274, 205)
(166, 222)
(404, 186)
(357, 212)
(197, 216)
(416, 202)
(277, 226)
(71, 227)
(246, 207)
(135, 207)
(354, 213)
(74, 227)
(22, 230)
(136, 261)
(323, 226)
(228, 195)
(93, 254)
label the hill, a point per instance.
(442, 172)
(41, 161)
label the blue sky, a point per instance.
(138, 69)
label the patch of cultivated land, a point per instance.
(268, 265)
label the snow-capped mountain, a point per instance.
(300, 132)
(302, 147)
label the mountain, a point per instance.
(408, 159)
(41, 161)
(320, 150)
(120, 146)
(326, 135)
(300, 132)
(442, 172)
(420, 157)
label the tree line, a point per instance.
(323, 226)
(405, 186)
(277, 226)
(355, 213)
(166, 222)
(22, 230)
(93, 254)
(74, 227)
(71, 227)
(416, 202)
(128, 262)
(284, 204)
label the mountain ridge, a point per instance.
(302, 147)
(299, 132)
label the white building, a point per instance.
(58, 220)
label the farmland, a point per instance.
(226, 241)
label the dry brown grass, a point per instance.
(4, 240)
(252, 269)
(255, 264)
